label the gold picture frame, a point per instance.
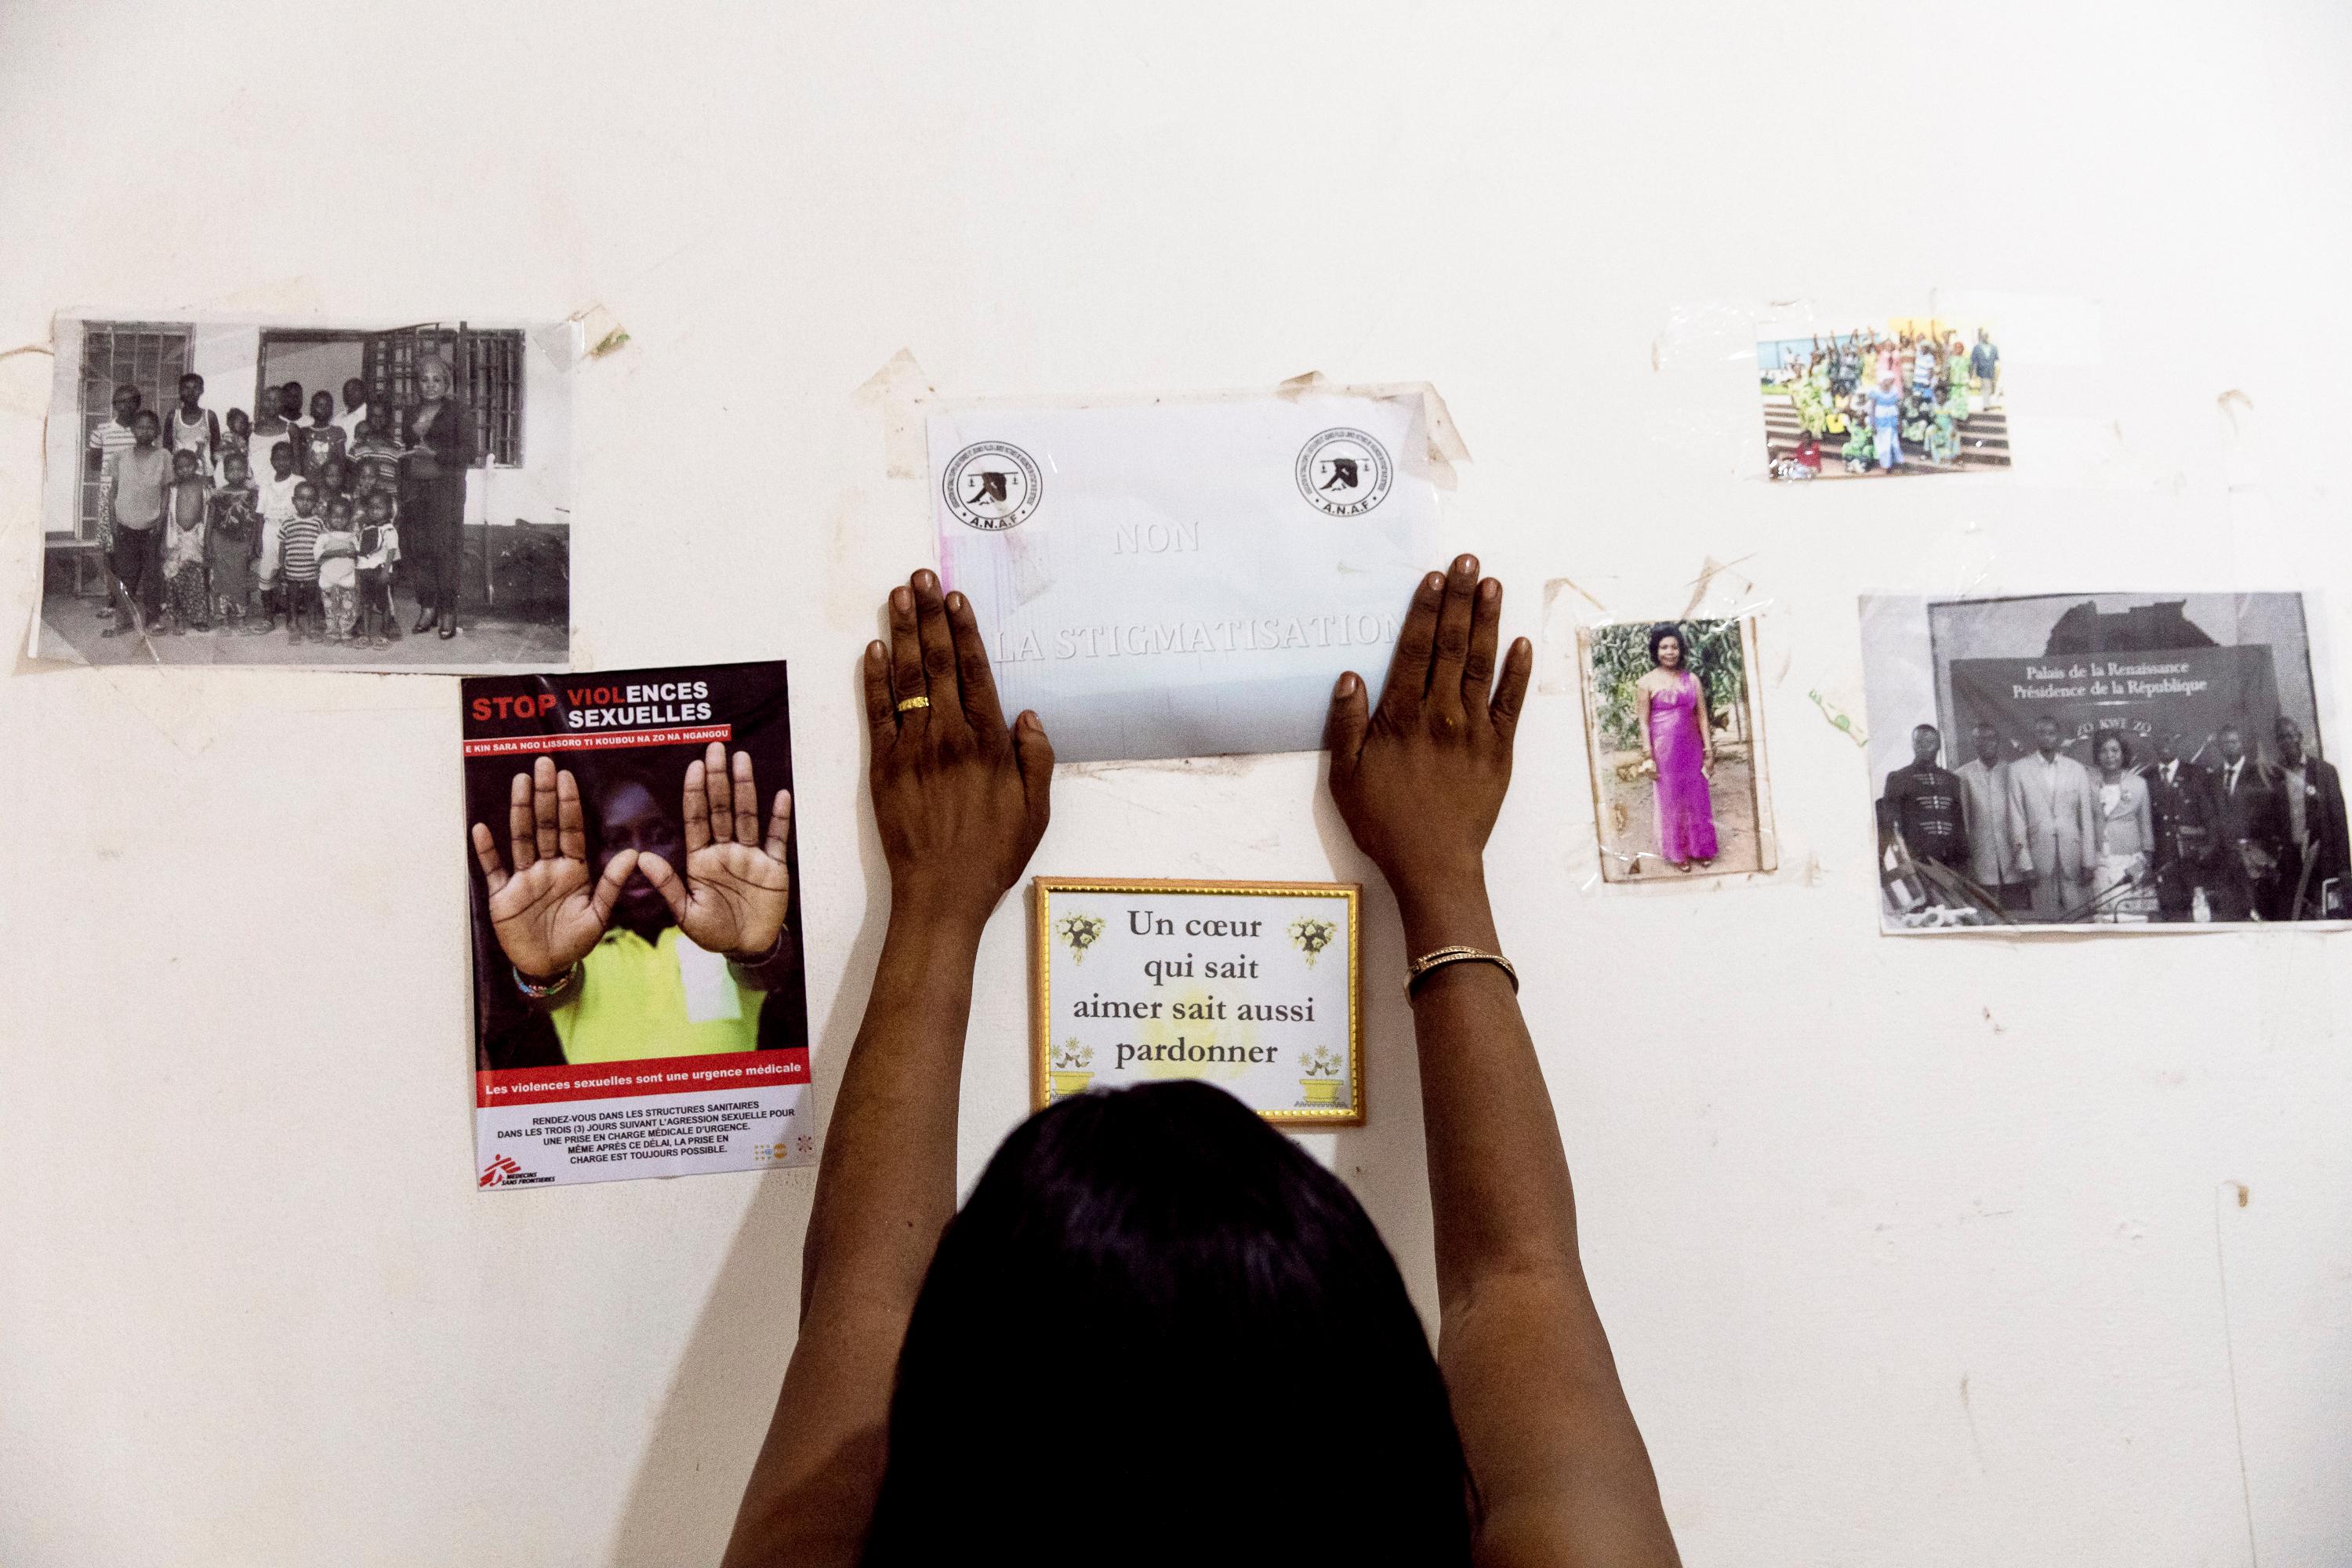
(1042, 892)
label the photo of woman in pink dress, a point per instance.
(1680, 789)
(1678, 742)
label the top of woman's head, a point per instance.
(1660, 633)
(1151, 1294)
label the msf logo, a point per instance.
(499, 1172)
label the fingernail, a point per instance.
(874, 652)
(1489, 590)
(1028, 720)
(1433, 582)
(924, 581)
(900, 599)
(1466, 564)
(955, 603)
(1347, 684)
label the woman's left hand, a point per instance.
(736, 888)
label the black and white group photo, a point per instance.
(2101, 760)
(357, 498)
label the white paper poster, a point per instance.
(1185, 579)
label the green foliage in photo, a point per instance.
(1620, 656)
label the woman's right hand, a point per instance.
(959, 800)
(1420, 780)
(544, 913)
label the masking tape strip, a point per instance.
(899, 389)
(600, 332)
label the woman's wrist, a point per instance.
(945, 909)
(1444, 909)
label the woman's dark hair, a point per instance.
(2102, 737)
(1663, 630)
(1160, 1332)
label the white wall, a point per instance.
(1928, 1254)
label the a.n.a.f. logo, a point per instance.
(993, 486)
(499, 1172)
(1344, 473)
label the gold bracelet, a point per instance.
(1421, 968)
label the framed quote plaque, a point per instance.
(1252, 986)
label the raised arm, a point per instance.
(1561, 1467)
(959, 803)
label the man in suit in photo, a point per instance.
(2181, 797)
(2313, 848)
(2053, 823)
(2249, 831)
(1984, 804)
(1924, 803)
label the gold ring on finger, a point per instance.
(908, 704)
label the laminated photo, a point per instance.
(1680, 785)
(370, 495)
(2100, 761)
(1858, 398)
(639, 1000)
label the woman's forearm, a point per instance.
(887, 1184)
(885, 1189)
(1544, 1422)
(1498, 1181)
